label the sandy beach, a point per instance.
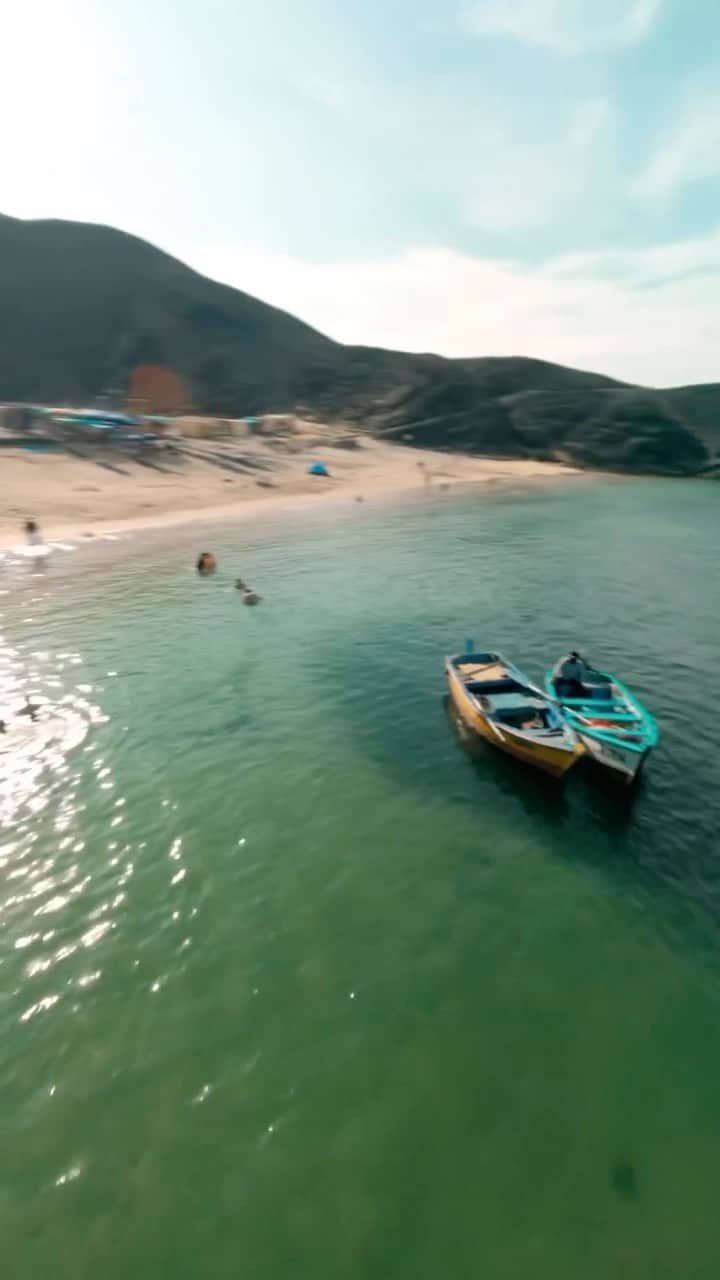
(72, 496)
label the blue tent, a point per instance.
(318, 469)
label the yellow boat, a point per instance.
(500, 704)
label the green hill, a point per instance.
(81, 306)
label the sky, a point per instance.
(472, 177)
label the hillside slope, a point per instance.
(81, 306)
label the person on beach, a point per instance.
(33, 534)
(206, 563)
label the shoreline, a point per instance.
(82, 499)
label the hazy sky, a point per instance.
(473, 177)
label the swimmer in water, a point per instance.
(206, 563)
(249, 596)
(30, 709)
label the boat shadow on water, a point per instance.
(538, 793)
(679, 878)
(570, 810)
(609, 805)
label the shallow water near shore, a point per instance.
(295, 982)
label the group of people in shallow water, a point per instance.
(207, 564)
(31, 709)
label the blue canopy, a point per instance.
(318, 469)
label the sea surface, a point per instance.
(295, 982)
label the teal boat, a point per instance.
(611, 722)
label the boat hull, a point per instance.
(622, 762)
(554, 761)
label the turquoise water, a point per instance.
(294, 982)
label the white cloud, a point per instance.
(649, 316)
(569, 26)
(689, 153)
(328, 91)
(56, 99)
(516, 184)
(648, 268)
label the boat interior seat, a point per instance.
(508, 685)
(597, 691)
(483, 670)
(523, 717)
(517, 699)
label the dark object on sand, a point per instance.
(624, 1180)
(206, 563)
